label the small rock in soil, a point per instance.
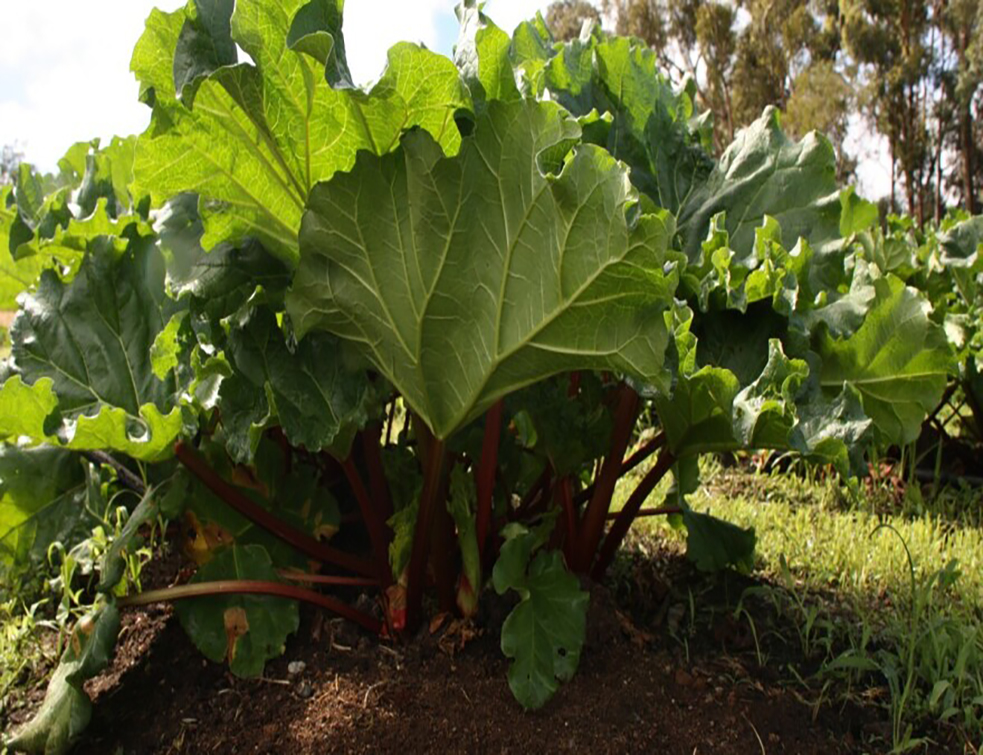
(305, 690)
(296, 668)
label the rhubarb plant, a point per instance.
(401, 339)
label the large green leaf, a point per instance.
(482, 55)
(544, 634)
(898, 360)
(15, 275)
(254, 139)
(43, 495)
(245, 630)
(462, 279)
(66, 709)
(765, 173)
(307, 389)
(82, 351)
(651, 127)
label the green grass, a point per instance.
(24, 660)
(829, 542)
(888, 593)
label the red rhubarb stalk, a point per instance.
(643, 453)
(433, 454)
(626, 516)
(255, 513)
(379, 532)
(485, 477)
(592, 529)
(251, 587)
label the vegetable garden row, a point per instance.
(409, 338)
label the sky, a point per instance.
(64, 68)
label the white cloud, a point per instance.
(371, 28)
(65, 73)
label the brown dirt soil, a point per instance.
(634, 692)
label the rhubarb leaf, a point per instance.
(86, 346)
(43, 495)
(544, 634)
(307, 389)
(255, 137)
(66, 709)
(245, 630)
(761, 173)
(462, 279)
(898, 360)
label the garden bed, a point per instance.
(446, 690)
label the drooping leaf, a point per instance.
(856, 214)
(898, 360)
(42, 501)
(87, 344)
(650, 129)
(482, 56)
(256, 138)
(509, 572)
(108, 175)
(496, 274)
(245, 630)
(697, 416)
(204, 45)
(833, 430)
(544, 634)
(713, 544)
(764, 412)
(765, 173)
(66, 709)
(308, 389)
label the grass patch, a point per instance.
(26, 655)
(885, 604)
(829, 541)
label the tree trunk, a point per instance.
(967, 143)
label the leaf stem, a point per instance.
(255, 513)
(433, 453)
(123, 474)
(326, 579)
(633, 461)
(563, 494)
(627, 515)
(252, 587)
(379, 533)
(485, 477)
(378, 482)
(537, 491)
(592, 529)
(661, 511)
